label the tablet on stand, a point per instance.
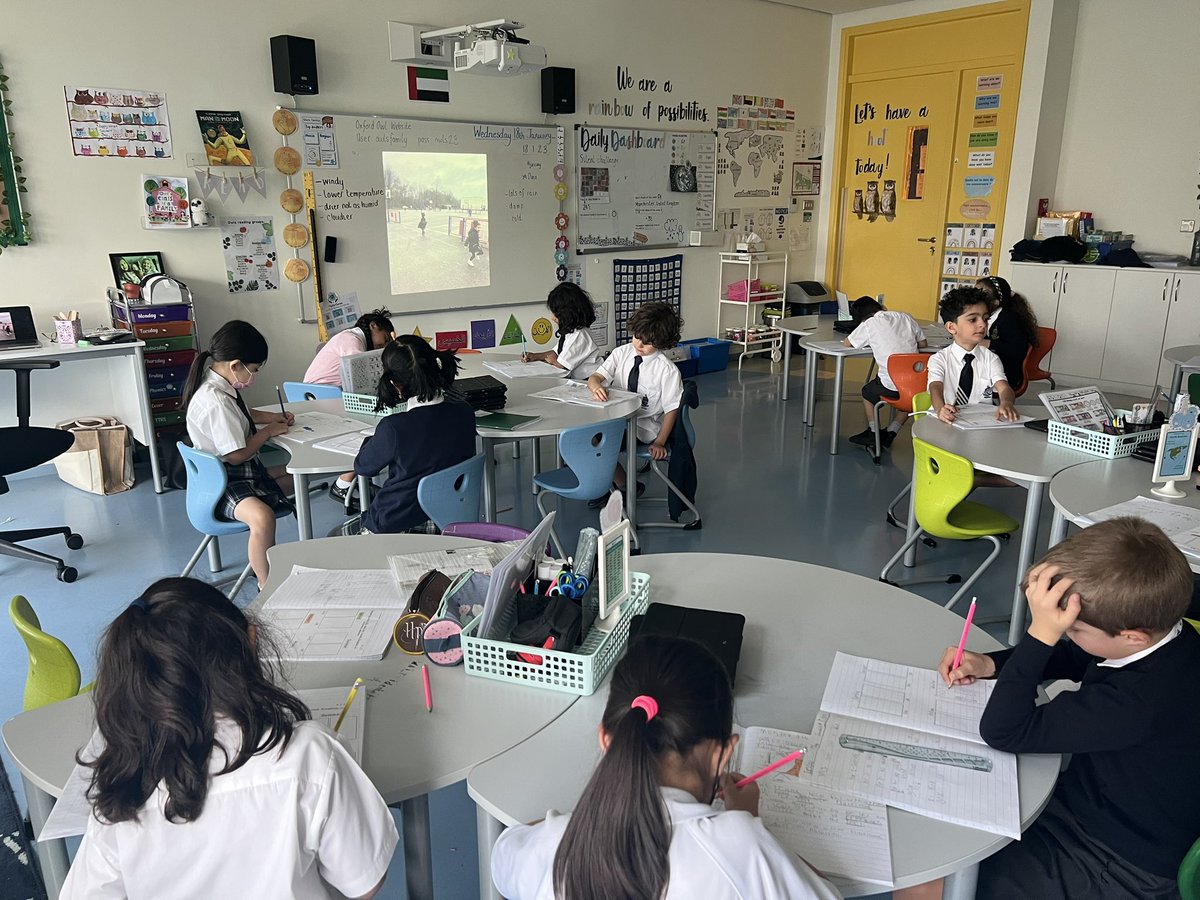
(613, 579)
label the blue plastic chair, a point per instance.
(206, 483)
(689, 401)
(454, 494)
(299, 391)
(492, 532)
(590, 453)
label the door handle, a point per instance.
(928, 240)
(1066, 275)
(1054, 284)
(1176, 292)
(1166, 281)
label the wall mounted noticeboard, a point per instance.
(639, 188)
(432, 214)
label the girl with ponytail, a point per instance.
(1012, 327)
(212, 781)
(434, 432)
(645, 827)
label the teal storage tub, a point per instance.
(711, 354)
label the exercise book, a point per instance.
(349, 443)
(310, 427)
(306, 587)
(983, 415)
(836, 833)
(1180, 523)
(520, 369)
(70, 814)
(579, 392)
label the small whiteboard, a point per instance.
(638, 188)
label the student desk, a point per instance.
(101, 380)
(1179, 357)
(797, 617)
(1083, 489)
(1019, 454)
(408, 752)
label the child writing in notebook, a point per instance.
(434, 432)
(212, 781)
(220, 423)
(885, 332)
(1127, 809)
(572, 311)
(370, 332)
(642, 368)
(967, 372)
(645, 827)
(1012, 327)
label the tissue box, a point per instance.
(68, 331)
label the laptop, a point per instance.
(16, 328)
(720, 632)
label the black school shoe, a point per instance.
(340, 496)
(865, 438)
(887, 438)
(600, 502)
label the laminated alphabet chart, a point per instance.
(118, 122)
(636, 281)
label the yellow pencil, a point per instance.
(345, 709)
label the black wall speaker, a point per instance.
(294, 64)
(330, 249)
(558, 90)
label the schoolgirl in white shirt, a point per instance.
(645, 828)
(212, 782)
(572, 311)
(220, 423)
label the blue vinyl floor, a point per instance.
(766, 489)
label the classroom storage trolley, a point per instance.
(747, 281)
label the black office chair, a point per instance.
(25, 447)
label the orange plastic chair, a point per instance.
(1033, 359)
(910, 374)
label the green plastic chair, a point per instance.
(1189, 874)
(941, 482)
(1193, 388)
(53, 672)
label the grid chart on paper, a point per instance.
(637, 280)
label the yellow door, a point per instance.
(896, 160)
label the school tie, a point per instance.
(241, 404)
(634, 374)
(966, 382)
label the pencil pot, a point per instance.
(572, 672)
(1110, 446)
(68, 331)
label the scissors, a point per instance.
(570, 585)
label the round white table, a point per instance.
(1181, 358)
(1019, 454)
(307, 460)
(407, 752)
(1080, 490)
(797, 617)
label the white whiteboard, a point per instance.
(374, 177)
(627, 196)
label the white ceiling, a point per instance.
(835, 7)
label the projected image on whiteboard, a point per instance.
(437, 221)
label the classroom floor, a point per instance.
(766, 489)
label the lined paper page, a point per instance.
(332, 634)
(837, 833)
(69, 816)
(314, 426)
(895, 694)
(336, 588)
(525, 370)
(326, 704)
(984, 797)
(349, 444)
(408, 568)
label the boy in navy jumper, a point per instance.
(1128, 807)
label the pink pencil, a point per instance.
(779, 763)
(428, 692)
(962, 643)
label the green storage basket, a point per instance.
(364, 405)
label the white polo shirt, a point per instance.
(578, 355)
(713, 855)
(887, 333)
(294, 826)
(326, 367)
(946, 366)
(214, 422)
(659, 383)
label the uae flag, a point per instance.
(428, 84)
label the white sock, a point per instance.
(871, 425)
(343, 484)
(895, 427)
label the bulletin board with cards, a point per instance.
(636, 281)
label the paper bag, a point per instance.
(101, 459)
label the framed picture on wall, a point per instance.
(806, 178)
(133, 267)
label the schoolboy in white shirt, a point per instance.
(886, 333)
(642, 368)
(966, 373)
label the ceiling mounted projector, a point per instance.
(488, 48)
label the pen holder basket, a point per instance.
(1110, 446)
(364, 405)
(68, 331)
(579, 671)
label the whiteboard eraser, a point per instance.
(706, 238)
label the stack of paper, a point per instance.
(349, 443)
(408, 568)
(983, 415)
(518, 369)
(310, 427)
(1180, 523)
(579, 392)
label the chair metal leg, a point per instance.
(191, 563)
(689, 526)
(878, 457)
(558, 545)
(983, 567)
(7, 548)
(237, 585)
(910, 541)
(214, 554)
(891, 508)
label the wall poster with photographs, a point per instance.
(131, 268)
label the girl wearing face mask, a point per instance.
(645, 826)
(220, 423)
